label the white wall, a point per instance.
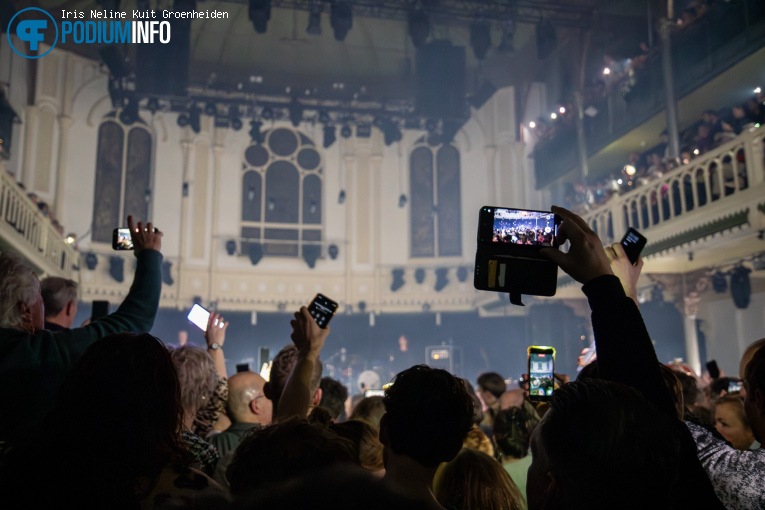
(370, 229)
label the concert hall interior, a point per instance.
(289, 148)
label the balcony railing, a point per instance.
(725, 35)
(24, 228)
(713, 185)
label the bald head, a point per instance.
(748, 355)
(246, 401)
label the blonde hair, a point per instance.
(196, 375)
(18, 284)
(476, 439)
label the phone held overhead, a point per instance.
(541, 372)
(199, 316)
(322, 309)
(121, 239)
(633, 243)
(508, 253)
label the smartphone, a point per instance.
(243, 367)
(633, 243)
(517, 227)
(734, 386)
(541, 372)
(713, 369)
(374, 393)
(121, 239)
(100, 309)
(322, 309)
(199, 317)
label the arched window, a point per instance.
(435, 200)
(123, 175)
(281, 195)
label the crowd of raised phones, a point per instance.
(107, 416)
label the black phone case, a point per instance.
(316, 312)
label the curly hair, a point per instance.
(196, 375)
(512, 431)
(429, 413)
(18, 284)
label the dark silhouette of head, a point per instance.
(429, 412)
(281, 368)
(600, 430)
(512, 431)
(333, 396)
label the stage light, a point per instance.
(333, 251)
(507, 44)
(256, 253)
(480, 38)
(419, 27)
(629, 170)
(402, 200)
(195, 119)
(606, 71)
(696, 152)
(740, 286)
(341, 197)
(314, 19)
(329, 136)
(345, 131)
(153, 105)
(129, 114)
(532, 124)
(296, 112)
(70, 238)
(167, 277)
(619, 181)
(231, 247)
(442, 279)
(419, 275)
(341, 19)
(260, 14)
(553, 115)
(183, 120)
(117, 268)
(255, 135)
(562, 110)
(324, 117)
(398, 279)
(311, 253)
(719, 283)
(757, 90)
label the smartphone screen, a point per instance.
(374, 393)
(199, 317)
(519, 227)
(734, 386)
(541, 372)
(322, 309)
(121, 239)
(633, 243)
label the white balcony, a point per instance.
(705, 213)
(25, 230)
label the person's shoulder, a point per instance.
(181, 484)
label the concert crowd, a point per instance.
(108, 416)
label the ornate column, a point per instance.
(218, 148)
(30, 124)
(65, 124)
(186, 147)
(690, 310)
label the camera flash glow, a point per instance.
(532, 124)
(562, 109)
(630, 169)
(606, 71)
(696, 151)
(553, 115)
(757, 90)
(618, 181)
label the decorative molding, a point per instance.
(714, 227)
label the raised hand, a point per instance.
(623, 268)
(144, 237)
(586, 258)
(306, 334)
(216, 329)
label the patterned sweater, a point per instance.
(738, 477)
